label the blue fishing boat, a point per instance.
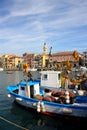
(46, 96)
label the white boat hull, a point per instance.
(53, 109)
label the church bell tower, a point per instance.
(44, 49)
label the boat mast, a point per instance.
(50, 57)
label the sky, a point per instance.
(25, 25)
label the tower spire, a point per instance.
(44, 49)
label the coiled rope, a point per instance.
(13, 123)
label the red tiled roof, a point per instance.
(63, 53)
(63, 56)
(15, 57)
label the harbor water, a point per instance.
(15, 117)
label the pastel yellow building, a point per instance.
(11, 61)
(45, 56)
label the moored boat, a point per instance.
(9, 72)
(48, 97)
(32, 69)
(1, 69)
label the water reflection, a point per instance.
(34, 121)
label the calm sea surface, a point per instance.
(13, 117)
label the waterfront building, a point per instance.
(51, 60)
(10, 61)
(30, 59)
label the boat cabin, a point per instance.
(30, 89)
(50, 79)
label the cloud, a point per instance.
(26, 24)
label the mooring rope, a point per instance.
(13, 123)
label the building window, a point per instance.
(59, 76)
(44, 77)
